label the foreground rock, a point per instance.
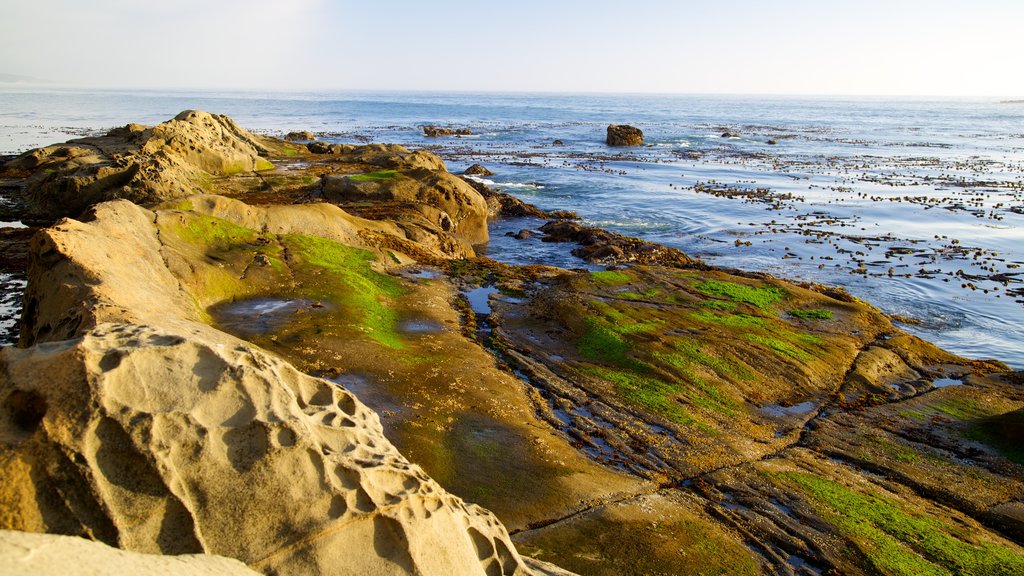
(624, 135)
(161, 434)
(138, 163)
(50, 555)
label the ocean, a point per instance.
(914, 205)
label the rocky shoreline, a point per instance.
(290, 354)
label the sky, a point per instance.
(865, 47)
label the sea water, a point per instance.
(915, 205)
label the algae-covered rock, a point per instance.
(142, 164)
(133, 422)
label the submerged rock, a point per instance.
(624, 135)
(436, 131)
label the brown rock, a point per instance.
(478, 170)
(436, 131)
(304, 135)
(623, 135)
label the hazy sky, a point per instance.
(885, 47)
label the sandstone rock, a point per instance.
(52, 555)
(304, 135)
(478, 170)
(463, 206)
(623, 135)
(170, 160)
(132, 422)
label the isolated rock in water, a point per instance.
(448, 198)
(435, 131)
(478, 170)
(52, 555)
(299, 136)
(138, 163)
(623, 135)
(729, 134)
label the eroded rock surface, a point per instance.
(138, 163)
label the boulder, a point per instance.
(458, 204)
(623, 135)
(730, 134)
(53, 555)
(138, 163)
(478, 170)
(303, 136)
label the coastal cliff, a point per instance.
(310, 371)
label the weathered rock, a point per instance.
(605, 247)
(435, 131)
(449, 202)
(730, 134)
(52, 555)
(170, 160)
(478, 170)
(624, 135)
(159, 433)
(14, 246)
(304, 135)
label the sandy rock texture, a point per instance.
(139, 163)
(132, 422)
(52, 555)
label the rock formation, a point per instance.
(623, 135)
(436, 131)
(301, 136)
(138, 163)
(132, 422)
(478, 170)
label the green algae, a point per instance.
(718, 305)
(379, 176)
(739, 321)
(610, 277)
(653, 394)
(896, 541)
(1003, 432)
(812, 314)
(363, 288)
(780, 347)
(645, 295)
(763, 298)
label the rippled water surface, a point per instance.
(914, 205)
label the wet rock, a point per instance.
(773, 142)
(521, 235)
(436, 131)
(729, 134)
(605, 247)
(624, 135)
(302, 136)
(14, 244)
(557, 143)
(478, 170)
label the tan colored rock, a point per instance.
(131, 422)
(52, 555)
(299, 136)
(186, 440)
(461, 210)
(173, 159)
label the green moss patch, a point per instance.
(764, 297)
(379, 176)
(780, 347)
(610, 277)
(897, 541)
(349, 279)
